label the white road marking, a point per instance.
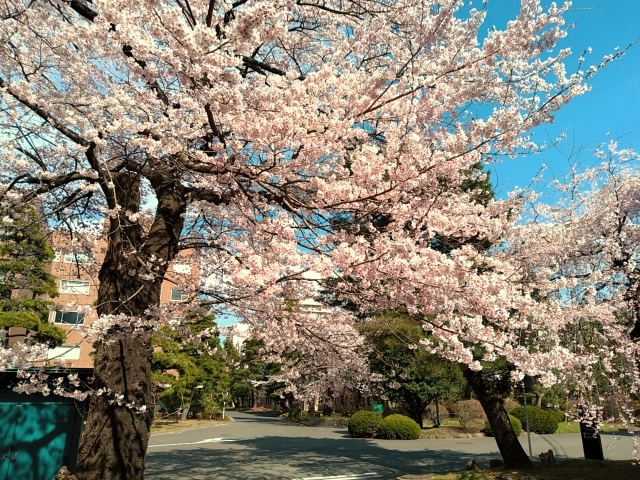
(185, 429)
(207, 440)
(355, 476)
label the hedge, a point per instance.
(364, 424)
(399, 427)
(557, 414)
(540, 421)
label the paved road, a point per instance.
(259, 446)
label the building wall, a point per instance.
(76, 269)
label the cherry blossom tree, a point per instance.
(317, 356)
(582, 252)
(244, 128)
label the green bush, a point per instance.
(540, 421)
(364, 424)
(557, 414)
(45, 332)
(399, 427)
(515, 424)
(296, 414)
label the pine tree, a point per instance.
(192, 350)
(412, 377)
(25, 285)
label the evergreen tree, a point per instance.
(251, 375)
(190, 363)
(413, 378)
(25, 285)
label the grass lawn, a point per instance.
(567, 427)
(574, 427)
(565, 470)
(450, 428)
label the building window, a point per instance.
(182, 268)
(79, 287)
(178, 295)
(79, 257)
(68, 318)
(56, 256)
(64, 352)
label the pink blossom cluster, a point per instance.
(262, 126)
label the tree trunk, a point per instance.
(416, 414)
(185, 412)
(492, 401)
(116, 433)
(115, 438)
(285, 402)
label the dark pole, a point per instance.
(526, 417)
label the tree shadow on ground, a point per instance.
(278, 457)
(261, 417)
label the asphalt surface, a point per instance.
(260, 446)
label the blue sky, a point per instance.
(611, 107)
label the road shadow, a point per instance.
(265, 417)
(278, 457)
(258, 415)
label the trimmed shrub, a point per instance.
(296, 414)
(557, 414)
(364, 424)
(540, 421)
(515, 424)
(399, 427)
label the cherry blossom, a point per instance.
(247, 130)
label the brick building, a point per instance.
(76, 267)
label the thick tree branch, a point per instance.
(207, 195)
(52, 183)
(50, 119)
(83, 10)
(258, 66)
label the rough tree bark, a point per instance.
(116, 436)
(490, 393)
(185, 412)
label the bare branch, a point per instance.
(50, 119)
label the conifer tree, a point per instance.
(26, 288)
